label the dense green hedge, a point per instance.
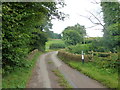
(77, 49)
(103, 55)
(57, 45)
(106, 60)
(22, 30)
(71, 56)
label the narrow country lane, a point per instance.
(43, 77)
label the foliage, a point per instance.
(97, 44)
(57, 45)
(77, 49)
(38, 41)
(62, 81)
(90, 39)
(53, 35)
(74, 34)
(110, 12)
(71, 37)
(113, 35)
(20, 76)
(103, 54)
(51, 41)
(22, 31)
(111, 19)
(80, 29)
(100, 49)
(73, 57)
(107, 60)
(108, 77)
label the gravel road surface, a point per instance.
(43, 77)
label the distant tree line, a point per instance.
(53, 35)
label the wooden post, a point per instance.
(82, 57)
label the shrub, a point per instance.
(70, 56)
(111, 61)
(79, 48)
(100, 49)
(103, 54)
(57, 46)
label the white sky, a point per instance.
(75, 8)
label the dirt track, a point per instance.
(43, 77)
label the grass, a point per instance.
(61, 80)
(20, 77)
(107, 77)
(50, 62)
(51, 41)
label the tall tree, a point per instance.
(112, 23)
(74, 34)
(23, 25)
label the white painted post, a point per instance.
(82, 57)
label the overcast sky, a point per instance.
(75, 8)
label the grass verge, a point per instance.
(61, 80)
(107, 77)
(19, 78)
(50, 62)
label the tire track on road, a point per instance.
(44, 72)
(74, 77)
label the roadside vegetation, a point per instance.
(101, 54)
(57, 46)
(25, 27)
(107, 76)
(54, 44)
(99, 63)
(61, 80)
(20, 76)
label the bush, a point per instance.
(79, 48)
(70, 56)
(110, 61)
(103, 54)
(100, 49)
(57, 46)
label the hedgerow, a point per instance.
(22, 30)
(57, 45)
(71, 56)
(77, 49)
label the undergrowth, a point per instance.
(20, 76)
(61, 79)
(108, 77)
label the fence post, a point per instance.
(82, 57)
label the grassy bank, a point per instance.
(51, 41)
(20, 76)
(108, 77)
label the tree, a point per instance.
(80, 29)
(53, 35)
(74, 34)
(112, 22)
(71, 37)
(23, 25)
(110, 11)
